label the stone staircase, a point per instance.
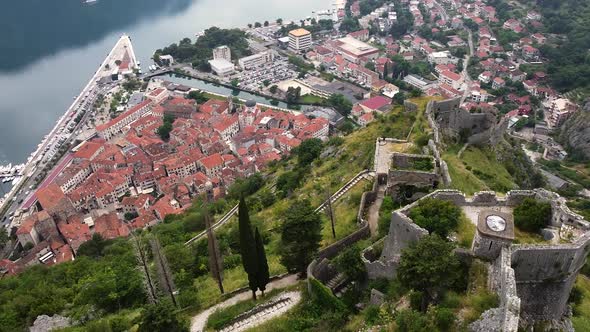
(366, 174)
(261, 313)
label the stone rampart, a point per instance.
(506, 317)
(545, 275)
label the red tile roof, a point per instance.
(376, 103)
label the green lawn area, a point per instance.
(581, 318)
(311, 99)
(523, 237)
(465, 232)
(477, 170)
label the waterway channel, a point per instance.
(220, 89)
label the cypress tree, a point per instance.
(263, 274)
(247, 246)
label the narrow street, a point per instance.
(466, 78)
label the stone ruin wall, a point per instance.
(402, 233)
(506, 316)
(483, 126)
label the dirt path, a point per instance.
(373, 213)
(199, 321)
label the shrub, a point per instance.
(532, 215)
(444, 318)
(371, 315)
(410, 321)
(422, 140)
(436, 216)
(350, 263)
(323, 297)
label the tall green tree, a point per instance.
(263, 273)
(429, 266)
(247, 246)
(300, 236)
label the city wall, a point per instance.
(320, 268)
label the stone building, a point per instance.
(494, 231)
(533, 281)
(477, 127)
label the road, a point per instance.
(83, 102)
(442, 10)
(466, 78)
(199, 321)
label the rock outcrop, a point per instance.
(575, 132)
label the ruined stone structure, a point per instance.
(410, 106)
(403, 175)
(453, 122)
(533, 281)
(495, 230)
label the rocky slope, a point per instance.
(575, 133)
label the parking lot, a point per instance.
(265, 33)
(274, 72)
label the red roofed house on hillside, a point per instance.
(27, 233)
(179, 108)
(89, 150)
(376, 104)
(75, 233)
(53, 200)
(109, 226)
(453, 79)
(211, 165)
(158, 95)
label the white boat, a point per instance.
(8, 179)
(15, 180)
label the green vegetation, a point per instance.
(308, 151)
(436, 216)
(293, 95)
(165, 129)
(311, 100)
(161, 317)
(84, 288)
(580, 300)
(300, 236)
(423, 164)
(568, 66)
(262, 275)
(532, 215)
(387, 207)
(349, 262)
(429, 266)
(340, 103)
(465, 232)
(248, 247)
(201, 51)
(477, 169)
